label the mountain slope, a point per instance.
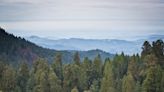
(112, 46)
(15, 49)
(108, 45)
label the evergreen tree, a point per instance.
(57, 66)
(8, 79)
(95, 86)
(71, 77)
(85, 74)
(120, 64)
(54, 82)
(22, 77)
(74, 89)
(97, 66)
(158, 50)
(2, 67)
(146, 49)
(133, 67)
(162, 82)
(76, 58)
(128, 84)
(41, 77)
(153, 80)
(150, 60)
(108, 82)
(137, 87)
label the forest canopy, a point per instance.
(142, 72)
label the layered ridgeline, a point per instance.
(108, 45)
(137, 73)
(16, 49)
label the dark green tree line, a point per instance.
(123, 73)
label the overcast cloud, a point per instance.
(96, 19)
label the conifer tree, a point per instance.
(74, 89)
(146, 49)
(22, 77)
(95, 86)
(97, 66)
(153, 80)
(128, 84)
(108, 81)
(76, 58)
(57, 66)
(8, 79)
(54, 82)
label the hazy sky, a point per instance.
(95, 19)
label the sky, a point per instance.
(90, 19)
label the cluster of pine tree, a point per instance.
(137, 73)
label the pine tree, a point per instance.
(41, 76)
(146, 49)
(128, 84)
(57, 66)
(71, 77)
(158, 50)
(108, 82)
(8, 79)
(22, 77)
(85, 72)
(74, 89)
(97, 66)
(120, 65)
(150, 60)
(54, 82)
(2, 67)
(137, 87)
(95, 86)
(133, 67)
(76, 58)
(153, 80)
(162, 82)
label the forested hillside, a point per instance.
(138, 73)
(14, 50)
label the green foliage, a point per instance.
(150, 60)
(120, 64)
(22, 77)
(8, 82)
(74, 89)
(57, 66)
(123, 73)
(95, 86)
(43, 78)
(71, 77)
(152, 83)
(15, 49)
(146, 49)
(134, 67)
(54, 82)
(158, 50)
(137, 87)
(108, 82)
(76, 58)
(97, 67)
(162, 81)
(85, 75)
(128, 84)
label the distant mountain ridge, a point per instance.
(16, 49)
(108, 45)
